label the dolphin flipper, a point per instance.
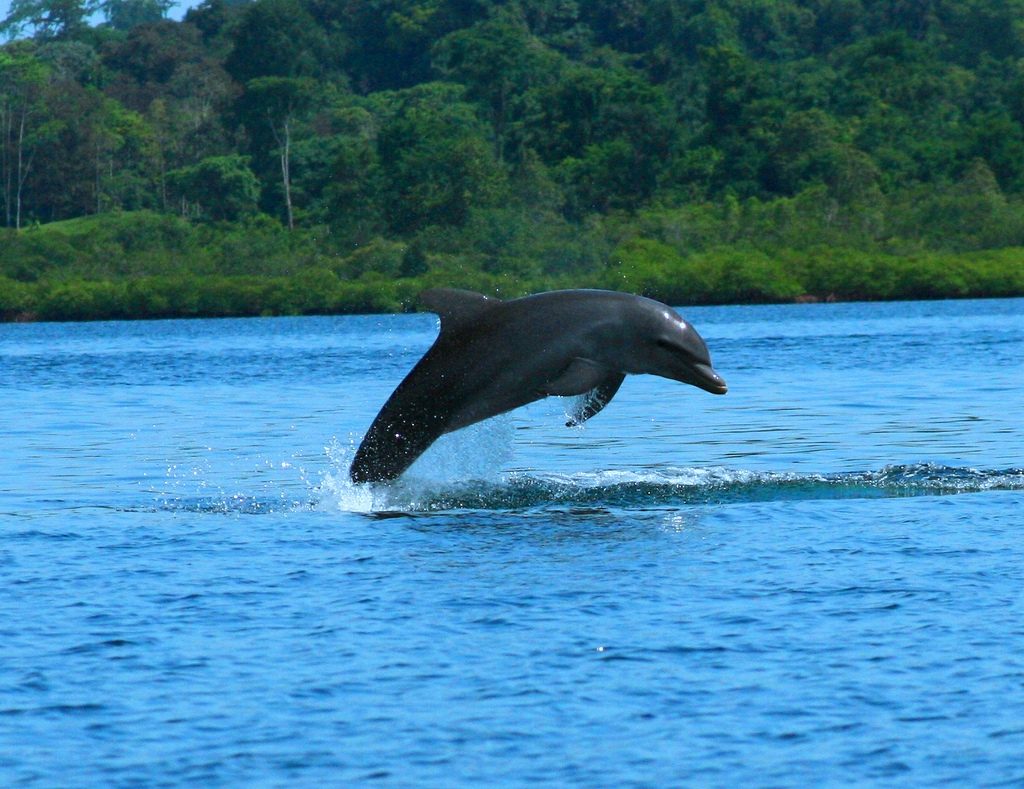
(581, 375)
(596, 399)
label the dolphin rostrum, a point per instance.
(492, 356)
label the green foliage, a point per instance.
(381, 256)
(127, 14)
(48, 19)
(719, 275)
(298, 156)
(16, 299)
(222, 188)
(276, 38)
(435, 159)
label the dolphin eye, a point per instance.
(667, 344)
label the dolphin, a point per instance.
(492, 356)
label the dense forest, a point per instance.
(303, 156)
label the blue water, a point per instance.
(814, 579)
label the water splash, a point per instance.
(474, 453)
(220, 482)
(232, 504)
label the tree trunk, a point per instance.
(5, 166)
(285, 145)
(286, 172)
(23, 167)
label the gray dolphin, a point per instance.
(492, 356)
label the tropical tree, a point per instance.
(277, 38)
(607, 133)
(49, 19)
(222, 188)
(436, 160)
(499, 61)
(127, 14)
(276, 103)
(23, 80)
(354, 195)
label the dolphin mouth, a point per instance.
(704, 377)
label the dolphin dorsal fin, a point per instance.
(456, 307)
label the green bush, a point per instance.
(378, 256)
(16, 299)
(148, 265)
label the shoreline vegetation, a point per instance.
(290, 157)
(146, 266)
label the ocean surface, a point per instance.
(816, 579)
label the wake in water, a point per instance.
(462, 472)
(666, 487)
(662, 487)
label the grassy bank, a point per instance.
(147, 265)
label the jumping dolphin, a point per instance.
(492, 356)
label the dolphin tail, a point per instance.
(390, 447)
